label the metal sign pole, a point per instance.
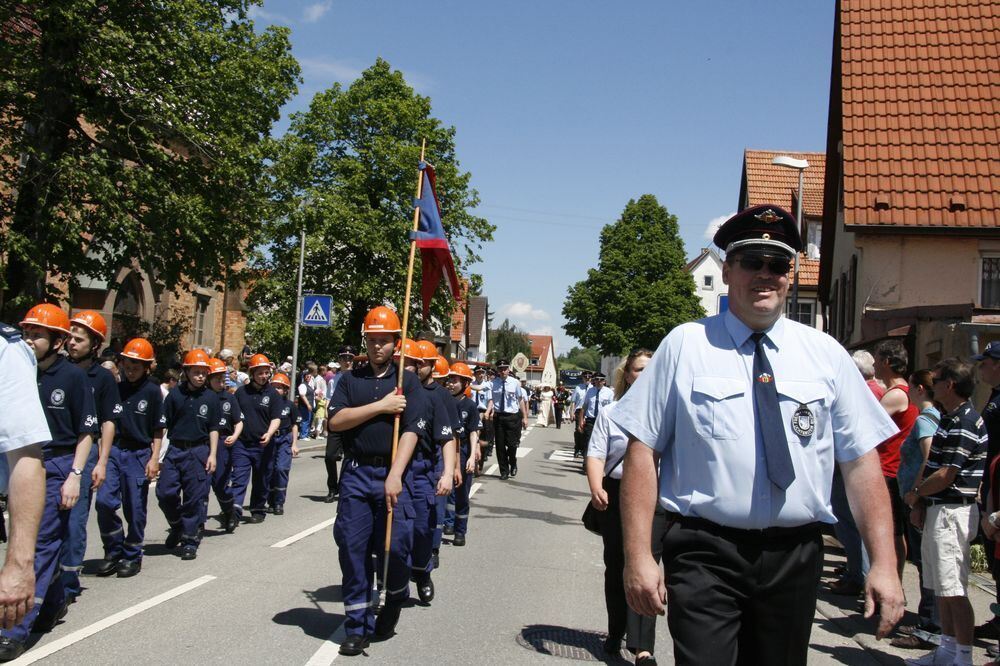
(298, 316)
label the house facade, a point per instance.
(706, 270)
(542, 367)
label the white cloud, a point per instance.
(524, 311)
(315, 11)
(336, 70)
(715, 223)
(259, 14)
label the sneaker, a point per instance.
(936, 658)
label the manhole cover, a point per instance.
(579, 644)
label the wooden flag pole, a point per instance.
(402, 358)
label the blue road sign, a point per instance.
(316, 309)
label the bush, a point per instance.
(979, 564)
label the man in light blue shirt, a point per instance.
(596, 397)
(579, 393)
(509, 415)
(747, 413)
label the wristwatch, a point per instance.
(77, 471)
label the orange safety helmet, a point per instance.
(461, 369)
(468, 391)
(258, 361)
(427, 350)
(441, 368)
(216, 365)
(281, 378)
(409, 347)
(196, 358)
(47, 316)
(93, 322)
(381, 320)
(139, 349)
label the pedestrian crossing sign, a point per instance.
(316, 309)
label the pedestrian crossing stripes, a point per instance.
(475, 488)
(561, 455)
(522, 451)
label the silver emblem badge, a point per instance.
(57, 397)
(266, 400)
(203, 410)
(226, 407)
(141, 407)
(803, 421)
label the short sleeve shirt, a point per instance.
(959, 442)
(68, 402)
(259, 407)
(468, 415)
(506, 394)
(229, 413)
(142, 409)
(608, 442)
(22, 420)
(105, 390)
(604, 396)
(579, 393)
(694, 405)
(911, 455)
(190, 414)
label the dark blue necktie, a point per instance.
(772, 429)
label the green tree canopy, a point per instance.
(133, 131)
(506, 342)
(640, 290)
(580, 359)
(347, 174)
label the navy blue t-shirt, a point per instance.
(230, 414)
(289, 415)
(105, 390)
(68, 402)
(468, 414)
(361, 387)
(142, 409)
(259, 406)
(443, 419)
(190, 414)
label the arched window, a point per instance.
(127, 311)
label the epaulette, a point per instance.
(9, 333)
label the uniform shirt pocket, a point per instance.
(794, 395)
(717, 406)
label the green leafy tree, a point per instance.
(506, 342)
(640, 290)
(580, 359)
(347, 175)
(133, 131)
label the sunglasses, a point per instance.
(776, 265)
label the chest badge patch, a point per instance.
(226, 407)
(803, 421)
(57, 397)
(141, 407)
(266, 400)
(203, 410)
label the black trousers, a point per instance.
(740, 596)
(508, 436)
(622, 620)
(486, 434)
(558, 411)
(579, 447)
(334, 452)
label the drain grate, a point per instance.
(578, 644)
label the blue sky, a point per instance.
(567, 109)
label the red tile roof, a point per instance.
(458, 314)
(770, 183)
(808, 272)
(921, 110)
(540, 345)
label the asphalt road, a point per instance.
(270, 593)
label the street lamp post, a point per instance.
(298, 312)
(790, 162)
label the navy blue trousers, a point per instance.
(75, 545)
(125, 487)
(359, 532)
(182, 490)
(251, 463)
(424, 514)
(222, 475)
(457, 512)
(52, 532)
(281, 468)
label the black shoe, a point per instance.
(10, 649)
(648, 660)
(613, 646)
(107, 567)
(330, 498)
(353, 645)
(989, 630)
(232, 522)
(425, 590)
(47, 622)
(459, 540)
(449, 529)
(513, 470)
(504, 477)
(189, 552)
(436, 557)
(173, 539)
(129, 568)
(256, 518)
(278, 510)
(385, 624)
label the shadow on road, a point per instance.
(313, 620)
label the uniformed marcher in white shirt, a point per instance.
(746, 414)
(509, 416)
(596, 398)
(579, 447)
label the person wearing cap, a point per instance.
(230, 428)
(260, 405)
(364, 407)
(746, 413)
(334, 440)
(23, 430)
(597, 397)
(482, 390)
(192, 418)
(284, 447)
(72, 420)
(989, 373)
(510, 415)
(457, 512)
(132, 464)
(579, 393)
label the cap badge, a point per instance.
(768, 216)
(765, 236)
(764, 378)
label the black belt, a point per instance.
(737, 534)
(184, 444)
(509, 413)
(964, 500)
(373, 461)
(55, 451)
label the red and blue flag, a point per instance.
(435, 253)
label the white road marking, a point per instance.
(492, 470)
(110, 621)
(475, 487)
(522, 451)
(303, 534)
(330, 648)
(562, 456)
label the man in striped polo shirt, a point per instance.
(949, 487)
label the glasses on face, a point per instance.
(776, 265)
